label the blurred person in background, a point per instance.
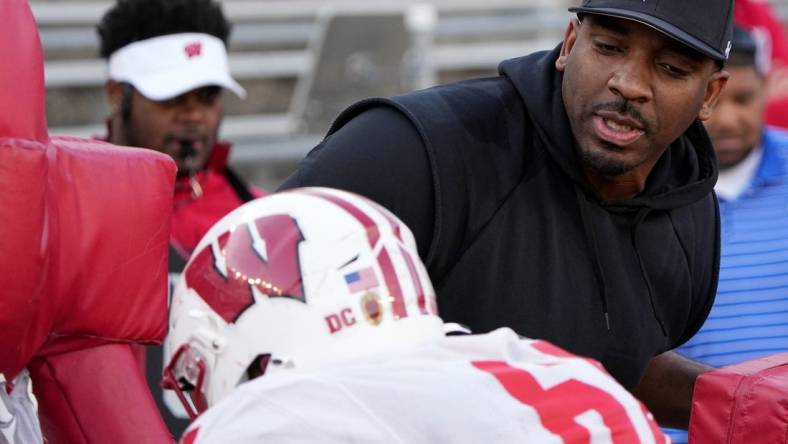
(307, 317)
(168, 68)
(748, 319)
(767, 29)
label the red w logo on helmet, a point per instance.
(261, 256)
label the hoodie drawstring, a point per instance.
(641, 215)
(598, 271)
(592, 244)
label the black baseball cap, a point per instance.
(743, 41)
(704, 25)
(748, 51)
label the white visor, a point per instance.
(167, 66)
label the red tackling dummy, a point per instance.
(83, 254)
(742, 403)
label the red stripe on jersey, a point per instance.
(659, 436)
(395, 291)
(558, 406)
(372, 228)
(190, 436)
(416, 281)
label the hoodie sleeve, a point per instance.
(378, 154)
(706, 266)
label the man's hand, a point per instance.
(667, 386)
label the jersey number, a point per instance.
(562, 407)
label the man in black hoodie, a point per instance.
(569, 198)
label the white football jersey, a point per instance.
(492, 388)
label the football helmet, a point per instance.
(294, 280)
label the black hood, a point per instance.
(685, 174)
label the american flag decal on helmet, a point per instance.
(396, 267)
(361, 280)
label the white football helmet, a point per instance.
(294, 280)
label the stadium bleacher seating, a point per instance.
(275, 49)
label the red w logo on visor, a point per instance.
(193, 49)
(262, 255)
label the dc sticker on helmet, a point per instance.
(227, 281)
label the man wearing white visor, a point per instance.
(168, 67)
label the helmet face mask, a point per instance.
(185, 374)
(294, 281)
